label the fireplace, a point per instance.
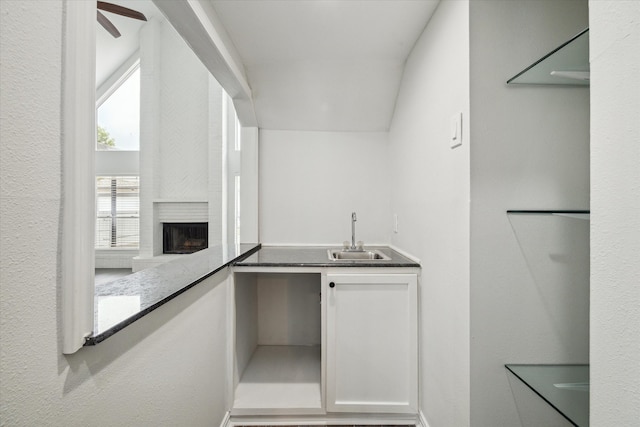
(184, 238)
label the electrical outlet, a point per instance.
(395, 223)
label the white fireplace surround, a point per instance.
(186, 211)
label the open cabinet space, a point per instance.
(277, 358)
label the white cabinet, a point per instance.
(371, 343)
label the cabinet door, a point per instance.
(372, 343)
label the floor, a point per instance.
(106, 275)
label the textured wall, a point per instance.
(166, 369)
(529, 150)
(29, 209)
(430, 194)
(615, 222)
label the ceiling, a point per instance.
(331, 65)
(112, 52)
(326, 65)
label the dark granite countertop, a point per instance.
(304, 256)
(123, 301)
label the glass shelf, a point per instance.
(568, 64)
(579, 214)
(564, 387)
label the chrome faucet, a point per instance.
(353, 231)
(359, 247)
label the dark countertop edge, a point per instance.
(96, 339)
(508, 365)
(341, 264)
(549, 211)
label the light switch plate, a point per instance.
(455, 136)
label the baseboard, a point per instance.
(423, 420)
(328, 420)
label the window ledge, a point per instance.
(123, 301)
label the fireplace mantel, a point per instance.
(180, 201)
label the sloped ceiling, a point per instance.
(112, 52)
(328, 65)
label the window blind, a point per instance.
(117, 212)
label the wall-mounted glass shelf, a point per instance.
(568, 64)
(564, 387)
(579, 214)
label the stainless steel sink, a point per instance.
(364, 255)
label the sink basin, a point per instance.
(367, 255)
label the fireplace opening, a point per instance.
(184, 238)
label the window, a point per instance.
(236, 216)
(119, 115)
(118, 129)
(118, 212)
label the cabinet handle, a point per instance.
(332, 285)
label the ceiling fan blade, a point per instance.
(121, 10)
(108, 25)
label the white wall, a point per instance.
(166, 369)
(289, 309)
(615, 223)
(310, 182)
(430, 194)
(183, 120)
(529, 150)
